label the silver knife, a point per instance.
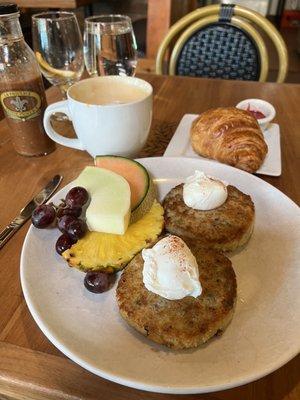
(26, 212)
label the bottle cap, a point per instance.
(8, 8)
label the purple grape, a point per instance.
(77, 197)
(64, 242)
(77, 229)
(64, 222)
(43, 216)
(98, 282)
(74, 211)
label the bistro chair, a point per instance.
(220, 41)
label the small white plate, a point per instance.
(264, 332)
(180, 146)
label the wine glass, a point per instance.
(57, 44)
(109, 45)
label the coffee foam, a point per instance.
(107, 91)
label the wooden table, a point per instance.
(53, 3)
(30, 366)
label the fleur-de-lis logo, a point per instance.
(19, 104)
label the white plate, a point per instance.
(264, 332)
(180, 146)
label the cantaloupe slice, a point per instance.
(141, 186)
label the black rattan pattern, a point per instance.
(219, 51)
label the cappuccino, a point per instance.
(110, 115)
(107, 91)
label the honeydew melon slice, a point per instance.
(109, 209)
(141, 185)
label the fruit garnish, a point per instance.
(64, 222)
(76, 229)
(77, 197)
(109, 252)
(72, 227)
(256, 113)
(141, 186)
(98, 282)
(43, 216)
(64, 210)
(64, 242)
(115, 244)
(54, 71)
(109, 209)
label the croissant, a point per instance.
(231, 136)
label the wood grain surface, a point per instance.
(160, 16)
(53, 3)
(30, 366)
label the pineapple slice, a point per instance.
(108, 252)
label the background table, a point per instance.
(30, 366)
(53, 3)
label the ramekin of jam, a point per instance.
(263, 111)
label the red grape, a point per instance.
(64, 222)
(74, 211)
(98, 282)
(43, 216)
(64, 242)
(77, 197)
(76, 229)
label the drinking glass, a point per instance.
(109, 45)
(57, 44)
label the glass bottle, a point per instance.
(22, 92)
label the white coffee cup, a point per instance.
(110, 115)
